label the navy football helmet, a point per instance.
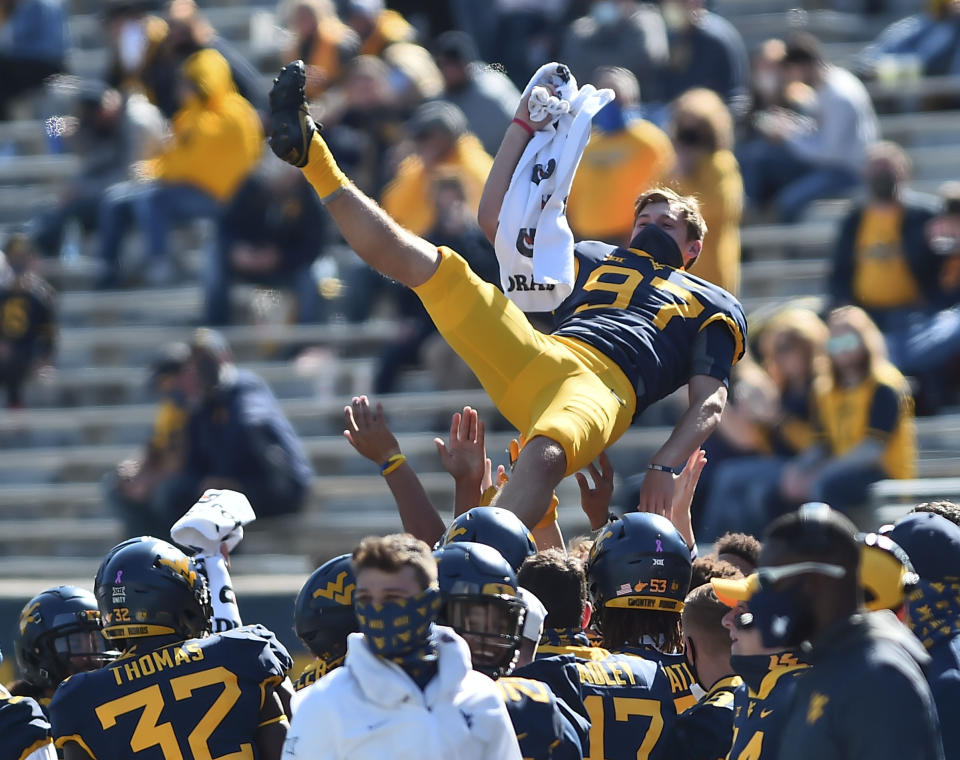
(147, 587)
(59, 635)
(496, 527)
(639, 562)
(480, 602)
(323, 614)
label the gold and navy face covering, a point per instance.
(401, 631)
(933, 611)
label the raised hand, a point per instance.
(595, 501)
(464, 457)
(368, 432)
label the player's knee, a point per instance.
(546, 456)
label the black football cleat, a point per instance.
(291, 126)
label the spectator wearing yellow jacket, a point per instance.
(702, 134)
(216, 142)
(625, 156)
(442, 147)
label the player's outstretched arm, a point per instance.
(367, 431)
(373, 235)
(708, 396)
(465, 458)
(514, 142)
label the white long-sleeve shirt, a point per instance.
(371, 709)
(845, 123)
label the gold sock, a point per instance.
(322, 171)
(551, 516)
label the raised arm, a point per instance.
(708, 396)
(504, 164)
(369, 434)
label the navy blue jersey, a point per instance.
(762, 703)
(543, 731)
(628, 699)
(197, 699)
(23, 727)
(677, 670)
(705, 731)
(315, 671)
(27, 316)
(943, 673)
(660, 325)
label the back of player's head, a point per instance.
(323, 613)
(702, 621)
(496, 527)
(886, 574)
(481, 602)
(560, 584)
(58, 635)
(816, 532)
(146, 588)
(390, 554)
(711, 566)
(741, 546)
(638, 575)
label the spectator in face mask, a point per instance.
(884, 262)
(626, 155)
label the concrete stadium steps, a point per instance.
(342, 510)
(98, 424)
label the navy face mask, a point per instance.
(784, 618)
(610, 118)
(658, 244)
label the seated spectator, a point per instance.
(414, 77)
(485, 95)
(766, 86)
(321, 40)
(270, 233)
(706, 51)
(112, 133)
(864, 413)
(943, 233)
(442, 145)
(28, 324)
(145, 491)
(134, 40)
(796, 161)
(884, 263)
(238, 436)
(377, 27)
(930, 39)
(618, 33)
(456, 227)
(742, 491)
(217, 140)
(702, 134)
(33, 46)
(188, 32)
(626, 155)
(362, 134)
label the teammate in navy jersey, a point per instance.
(175, 691)
(635, 328)
(481, 603)
(628, 698)
(23, 728)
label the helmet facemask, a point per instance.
(492, 626)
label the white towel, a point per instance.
(218, 517)
(534, 243)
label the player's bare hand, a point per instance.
(368, 432)
(595, 501)
(656, 493)
(464, 457)
(685, 484)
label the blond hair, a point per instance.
(686, 206)
(858, 321)
(711, 114)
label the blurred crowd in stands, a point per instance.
(414, 99)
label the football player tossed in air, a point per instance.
(636, 327)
